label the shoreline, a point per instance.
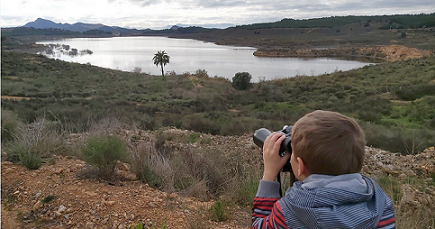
(388, 53)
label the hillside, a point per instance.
(392, 100)
(80, 200)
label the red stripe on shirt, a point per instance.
(386, 222)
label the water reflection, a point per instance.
(59, 50)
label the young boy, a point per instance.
(328, 154)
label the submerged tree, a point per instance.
(161, 58)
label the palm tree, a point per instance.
(161, 58)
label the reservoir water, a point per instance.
(186, 55)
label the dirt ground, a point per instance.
(88, 203)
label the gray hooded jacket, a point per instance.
(321, 201)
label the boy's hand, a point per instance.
(272, 161)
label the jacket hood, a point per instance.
(335, 207)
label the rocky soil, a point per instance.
(57, 195)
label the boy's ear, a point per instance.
(302, 169)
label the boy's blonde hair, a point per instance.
(329, 143)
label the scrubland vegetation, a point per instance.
(44, 101)
(394, 102)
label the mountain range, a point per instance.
(41, 23)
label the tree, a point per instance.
(161, 58)
(242, 81)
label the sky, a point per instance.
(142, 14)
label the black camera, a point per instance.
(261, 134)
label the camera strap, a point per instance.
(280, 185)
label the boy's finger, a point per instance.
(272, 140)
(279, 141)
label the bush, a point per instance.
(35, 141)
(30, 159)
(10, 125)
(201, 73)
(103, 152)
(246, 192)
(395, 139)
(242, 81)
(218, 212)
(193, 137)
(391, 186)
(152, 167)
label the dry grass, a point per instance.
(409, 215)
(152, 167)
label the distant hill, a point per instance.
(393, 22)
(388, 21)
(41, 23)
(76, 27)
(84, 28)
(206, 26)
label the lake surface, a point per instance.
(186, 55)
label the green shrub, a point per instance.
(160, 140)
(201, 73)
(30, 160)
(246, 192)
(150, 177)
(194, 137)
(391, 187)
(242, 81)
(9, 124)
(103, 152)
(218, 212)
(369, 116)
(395, 139)
(48, 199)
(413, 92)
(135, 226)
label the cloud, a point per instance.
(150, 14)
(142, 3)
(221, 3)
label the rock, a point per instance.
(402, 175)
(130, 177)
(89, 225)
(390, 172)
(173, 195)
(61, 208)
(105, 220)
(91, 194)
(408, 195)
(38, 205)
(7, 163)
(109, 203)
(121, 166)
(58, 170)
